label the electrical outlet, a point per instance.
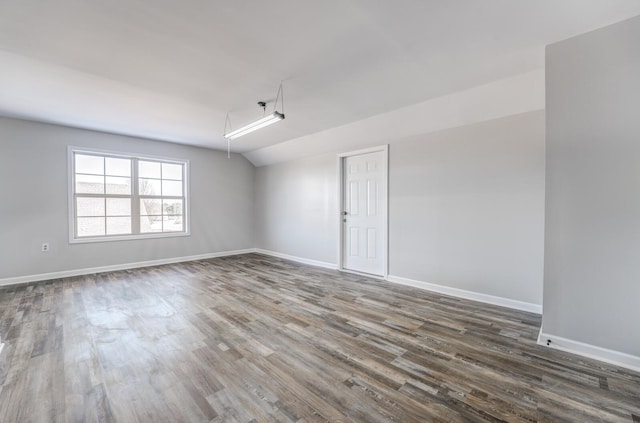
(45, 247)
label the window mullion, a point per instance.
(105, 213)
(75, 209)
(103, 195)
(135, 198)
(104, 189)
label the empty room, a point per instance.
(320, 211)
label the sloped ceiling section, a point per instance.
(171, 70)
(506, 97)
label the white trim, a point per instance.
(384, 147)
(90, 270)
(124, 154)
(385, 190)
(302, 260)
(367, 275)
(109, 238)
(469, 295)
(340, 191)
(1, 345)
(616, 358)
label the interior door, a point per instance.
(364, 214)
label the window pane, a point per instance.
(171, 171)
(172, 188)
(89, 184)
(149, 187)
(90, 226)
(172, 207)
(118, 167)
(88, 206)
(116, 185)
(89, 164)
(150, 206)
(118, 207)
(172, 224)
(150, 224)
(148, 169)
(105, 188)
(118, 225)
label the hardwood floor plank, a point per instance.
(252, 338)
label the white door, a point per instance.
(364, 213)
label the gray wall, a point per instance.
(296, 208)
(466, 207)
(33, 201)
(592, 234)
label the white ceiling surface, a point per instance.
(171, 70)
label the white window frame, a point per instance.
(135, 212)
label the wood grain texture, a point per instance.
(256, 339)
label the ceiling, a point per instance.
(171, 70)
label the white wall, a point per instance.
(466, 207)
(592, 245)
(33, 201)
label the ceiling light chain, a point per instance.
(228, 121)
(280, 96)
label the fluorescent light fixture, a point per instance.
(260, 123)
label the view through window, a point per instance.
(116, 196)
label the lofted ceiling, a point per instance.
(170, 70)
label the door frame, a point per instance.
(385, 209)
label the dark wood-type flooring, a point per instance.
(257, 339)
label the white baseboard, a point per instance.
(90, 270)
(302, 260)
(617, 358)
(469, 295)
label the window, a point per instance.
(116, 196)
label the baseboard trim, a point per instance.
(90, 270)
(468, 295)
(454, 292)
(302, 260)
(616, 358)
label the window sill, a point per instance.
(127, 237)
